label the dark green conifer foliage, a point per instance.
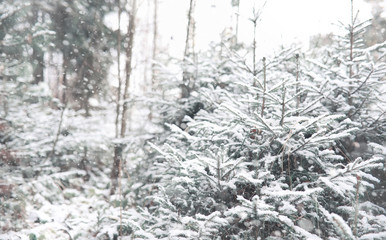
(84, 42)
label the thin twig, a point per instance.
(377, 119)
(57, 135)
(283, 106)
(341, 151)
(363, 83)
(265, 87)
(297, 83)
(358, 109)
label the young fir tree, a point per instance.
(241, 169)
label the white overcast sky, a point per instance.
(282, 21)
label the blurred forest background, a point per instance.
(106, 134)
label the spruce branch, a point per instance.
(266, 125)
(307, 142)
(358, 164)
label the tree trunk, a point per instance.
(38, 62)
(351, 73)
(129, 50)
(37, 52)
(59, 19)
(186, 76)
(155, 35)
(118, 108)
(116, 166)
(254, 53)
(237, 21)
(115, 171)
(64, 84)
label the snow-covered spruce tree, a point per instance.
(243, 171)
(352, 82)
(211, 72)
